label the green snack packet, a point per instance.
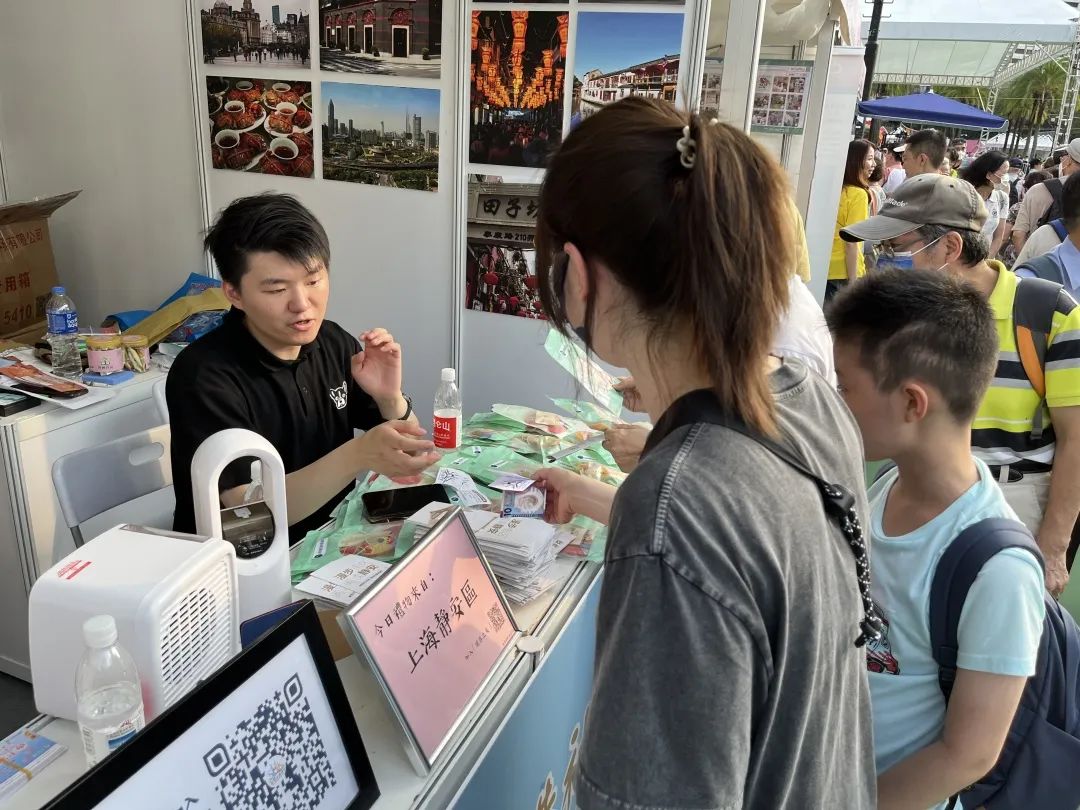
(493, 421)
(537, 421)
(486, 464)
(595, 416)
(485, 435)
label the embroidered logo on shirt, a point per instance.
(340, 395)
(879, 657)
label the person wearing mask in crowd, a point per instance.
(1049, 236)
(1030, 441)
(665, 238)
(945, 168)
(1009, 253)
(278, 368)
(894, 168)
(986, 173)
(1061, 263)
(847, 262)
(924, 152)
(1042, 203)
(914, 388)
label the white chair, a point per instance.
(94, 480)
(160, 402)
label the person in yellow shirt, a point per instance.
(847, 262)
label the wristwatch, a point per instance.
(408, 410)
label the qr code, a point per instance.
(274, 759)
(497, 616)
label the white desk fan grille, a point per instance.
(196, 633)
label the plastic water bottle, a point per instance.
(108, 692)
(448, 412)
(63, 334)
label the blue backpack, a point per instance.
(1039, 766)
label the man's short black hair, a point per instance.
(1070, 201)
(929, 142)
(921, 325)
(265, 223)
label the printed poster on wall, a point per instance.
(500, 261)
(381, 38)
(620, 54)
(783, 87)
(780, 97)
(516, 86)
(256, 33)
(381, 135)
(261, 126)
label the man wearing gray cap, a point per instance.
(1043, 202)
(1028, 425)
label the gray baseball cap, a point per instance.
(1072, 149)
(926, 199)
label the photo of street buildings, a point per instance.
(256, 32)
(387, 37)
(381, 136)
(624, 54)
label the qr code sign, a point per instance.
(274, 759)
(497, 616)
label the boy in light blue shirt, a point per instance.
(915, 353)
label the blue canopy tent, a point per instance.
(930, 108)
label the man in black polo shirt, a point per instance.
(277, 368)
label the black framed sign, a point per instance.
(272, 728)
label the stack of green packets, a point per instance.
(493, 445)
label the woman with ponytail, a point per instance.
(728, 666)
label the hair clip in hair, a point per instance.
(687, 147)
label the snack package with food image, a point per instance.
(543, 421)
(595, 416)
(486, 436)
(589, 539)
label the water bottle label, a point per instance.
(446, 432)
(63, 323)
(99, 744)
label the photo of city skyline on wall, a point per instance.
(381, 136)
(617, 55)
(387, 37)
(275, 33)
(516, 78)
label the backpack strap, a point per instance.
(1033, 317)
(1059, 228)
(838, 502)
(1054, 186)
(1045, 267)
(955, 574)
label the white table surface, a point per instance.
(398, 782)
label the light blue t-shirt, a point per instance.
(1000, 625)
(1067, 255)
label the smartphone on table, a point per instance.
(398, 504)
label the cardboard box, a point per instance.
(25, 337)
(27, 268)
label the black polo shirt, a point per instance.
(305, 408)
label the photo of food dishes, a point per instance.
(261, 126)
(780, 98)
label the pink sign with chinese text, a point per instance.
(436, 630)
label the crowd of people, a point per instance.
(512, 143)
(746, 554)
(280, 52)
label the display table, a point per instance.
(33, 535)
(546, 617)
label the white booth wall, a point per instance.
(103, 102)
